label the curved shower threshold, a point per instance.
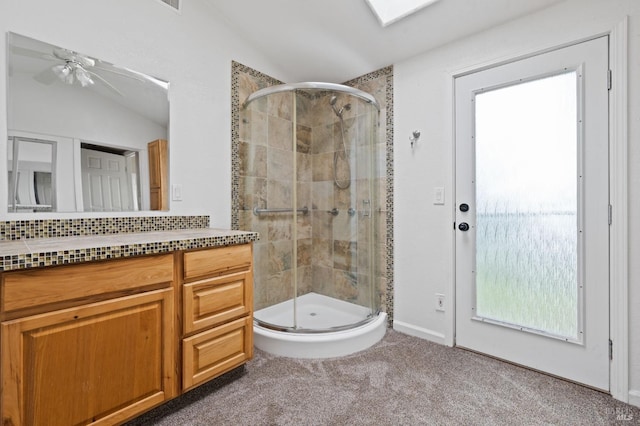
(329, 344)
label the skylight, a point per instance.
(390, 11)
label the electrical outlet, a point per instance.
(439, 302)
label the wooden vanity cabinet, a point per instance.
(217, 306)
(99, 343)
(102, 359)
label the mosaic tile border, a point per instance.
(51, 228)
(24, 260)
(236, 69)
(387, 73)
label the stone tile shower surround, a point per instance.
(263, 169)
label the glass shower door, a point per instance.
(335, 178)
(266, 202)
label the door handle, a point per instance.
(464, 226)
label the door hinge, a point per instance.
(610, 214)
(609, 79)
(610, 349)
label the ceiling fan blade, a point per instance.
(106, 67)
(46, 76)
(106, 83)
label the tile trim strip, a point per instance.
(52, 228)
(27, 259)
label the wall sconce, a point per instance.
(414, 137)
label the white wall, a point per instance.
(192, 50)
(423, 101)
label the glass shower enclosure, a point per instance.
(307, 184)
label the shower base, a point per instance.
(316, 311)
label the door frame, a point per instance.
(618, 198)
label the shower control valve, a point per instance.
(366, 206)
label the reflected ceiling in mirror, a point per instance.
(75, 100)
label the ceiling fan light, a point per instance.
(83, 77)
(64, 73)
(61, 71)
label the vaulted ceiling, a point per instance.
(336, 40)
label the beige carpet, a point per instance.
(402, 380)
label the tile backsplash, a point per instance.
(49, 228)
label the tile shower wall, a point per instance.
(339, 242)
(327, 247)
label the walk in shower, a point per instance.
(309, 184)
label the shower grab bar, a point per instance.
(257, 211)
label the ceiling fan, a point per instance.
(71, 67)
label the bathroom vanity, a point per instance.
(101, 341)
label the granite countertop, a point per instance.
(36, 252)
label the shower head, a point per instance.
(332, 102)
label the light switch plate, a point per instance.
(176, 192)
(438, 195)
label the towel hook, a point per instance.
(414, 137)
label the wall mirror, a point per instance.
(83, 134)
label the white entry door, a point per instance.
(532, 212)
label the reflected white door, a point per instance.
(104, 182)
(532, 212)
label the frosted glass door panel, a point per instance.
(526, 205)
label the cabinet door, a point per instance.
(210, 302)
(100, 363)
(217, 261)
(216, 351)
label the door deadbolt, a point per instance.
(464, 226)
(464, 207)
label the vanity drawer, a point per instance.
(44, 286)
(217, 261)
(216, 351)
(213, 301)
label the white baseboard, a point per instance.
(634, 397)
(420, 332)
